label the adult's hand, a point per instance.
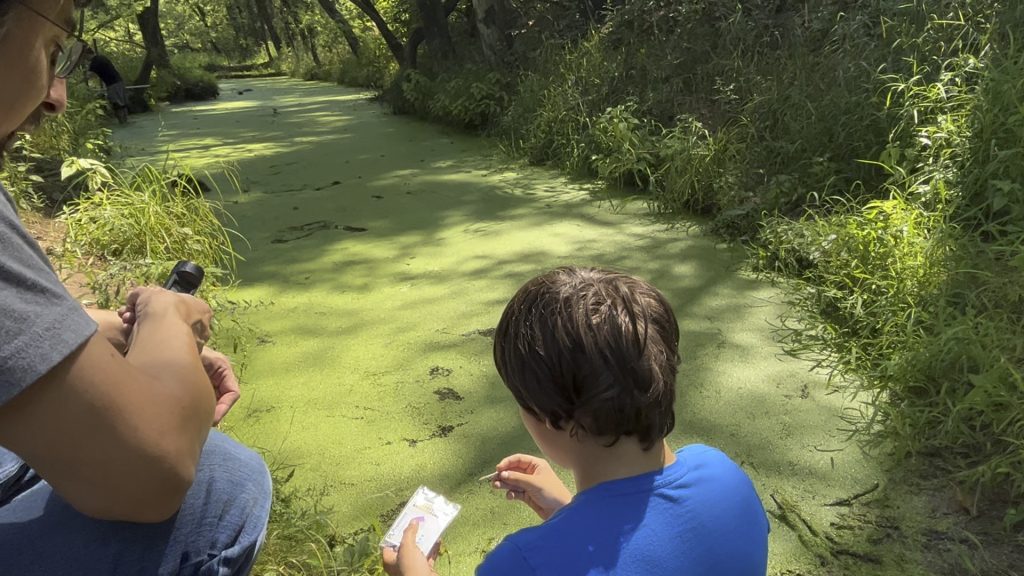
(409, 560)
(531, 480)
(225, 383)
(146, 301)
(111, 328)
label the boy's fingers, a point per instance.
(409, 536)
(508, 460)
(518, 480)
(521, 461)
(434, 553)
(389, 558)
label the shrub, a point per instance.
(470, 97)
(414, 93)
(185, 85)
(624, 148)
(374, 68)
(700, 170)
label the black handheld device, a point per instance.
(186, 278)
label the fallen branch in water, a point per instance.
(851, 499)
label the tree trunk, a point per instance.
(418, 35)
(204, 19)
(238, 23)
(266, 15)
(153, 39)
(289, 33)
(156, 54)
(311, 45)
(594, 11)
(331, 9)
(392, 41)
(435, 28)
(492, 23)
(412, 47)
(292, 25)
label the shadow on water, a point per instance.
(387, 247)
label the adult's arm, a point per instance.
(218, 366)
(119, 437)
(111, 328)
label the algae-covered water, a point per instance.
(383, 250)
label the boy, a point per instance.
(591, 357)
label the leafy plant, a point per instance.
(624, 147)
(468, 98)
(185, 84)
(700, 169)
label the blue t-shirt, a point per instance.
(699, 516)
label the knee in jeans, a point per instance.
(242, 471)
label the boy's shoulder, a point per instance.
(702, 494)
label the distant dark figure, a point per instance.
(101, 66)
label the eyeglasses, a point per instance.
(71, 51)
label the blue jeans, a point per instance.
(217, 532)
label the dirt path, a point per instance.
(385, 248)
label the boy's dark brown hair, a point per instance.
(593, 349)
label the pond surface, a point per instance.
(384, 249)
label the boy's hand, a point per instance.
(533, 481)
(409, 560)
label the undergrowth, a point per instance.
(31, 172)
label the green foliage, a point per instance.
(699, 170)
(918, 299)
(374, 68)
(624, 148)
(80, 132)
(19, 180)
(416, 92)
(469, 97)
(302, 540)
(138, 223)
(35, 161)
(185, 84)
(552, 111)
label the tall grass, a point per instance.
(302, 540)
(132, 225)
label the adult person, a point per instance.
(110, 465)
(117, 96)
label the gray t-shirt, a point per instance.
(40, 323)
